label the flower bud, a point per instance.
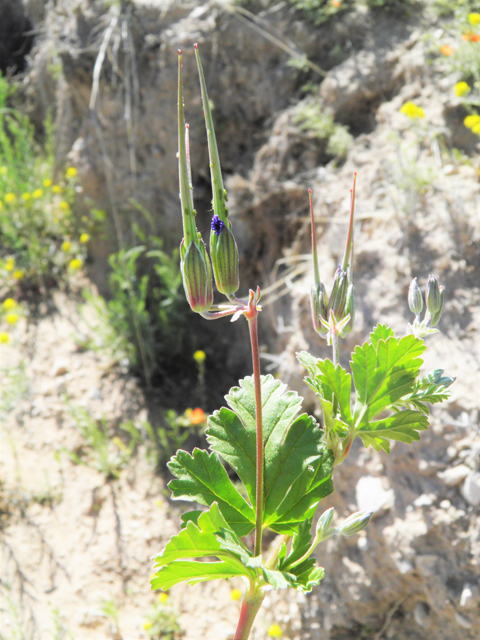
(197, 276)
(433, 296)
(415, 298)
(318, 305)
(438, 314)
(355, 523)
(338, 298)
(224, 252)
(323, 525)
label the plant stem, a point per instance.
(252, 325)
(335, 356)
(250, 607)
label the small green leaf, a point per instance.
(383, 373)
(402, 426)
(340, 383)
(202, 478)
(199, 540)
(381, 332)
(431, 389)
(301, 542)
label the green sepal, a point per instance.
(202, 540)
(225, 261)
(202, 478)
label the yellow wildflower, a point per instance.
(27, 196)
(4, 337)
(38, 193)
(471, 121)
(461, 89)
(64, 206)
(199, 356)
(12, 318)
(18, 274)
(10, 198)
(10, 264)
(147, 625)
(275, 631)
(476, 128)
(75, 264)
(66, 246)
(411, 110)
(9, 303)
(57, 188)
(163, 597)
(71, 172)
(84, 238)
(235, 594)
(3, 171)
(474, 18)
(47, 182)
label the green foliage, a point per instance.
(319, 11)
(297, 476)
(107, 454)
(385, 374)
(162, 622)
(41, 241)
(311, 117)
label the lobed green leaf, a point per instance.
(402, 426)
(202, 478)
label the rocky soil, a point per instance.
(71, 539)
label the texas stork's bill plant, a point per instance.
(283, 457)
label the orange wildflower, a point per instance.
(446, 50)
(197, 416)
(471, 37)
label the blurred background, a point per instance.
(104, 369)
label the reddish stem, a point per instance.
(250, 607)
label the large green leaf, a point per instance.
(383, 372)
(202, 478)
(297, 466)
(402, 426)
(201, 540)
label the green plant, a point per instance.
(162, 621)
(105, 453)
(311, 118)
(282, 457)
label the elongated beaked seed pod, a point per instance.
(415, 298)
(318, 305)
(197, 276)
(350, 307)
(224, 252)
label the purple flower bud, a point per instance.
(217, 224)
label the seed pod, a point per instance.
(197, 276)
(338, 298)
(318, 304)
(415, 298)
(355, 523)
(224, 252)
(350, 307)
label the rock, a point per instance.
(454, 475)
(471, 488)
(59, 368)
(469, 597)
(371, 496)
(421, 614)
(463, 620)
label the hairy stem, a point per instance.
(252, 325)
(250, 607)
(335, 352)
